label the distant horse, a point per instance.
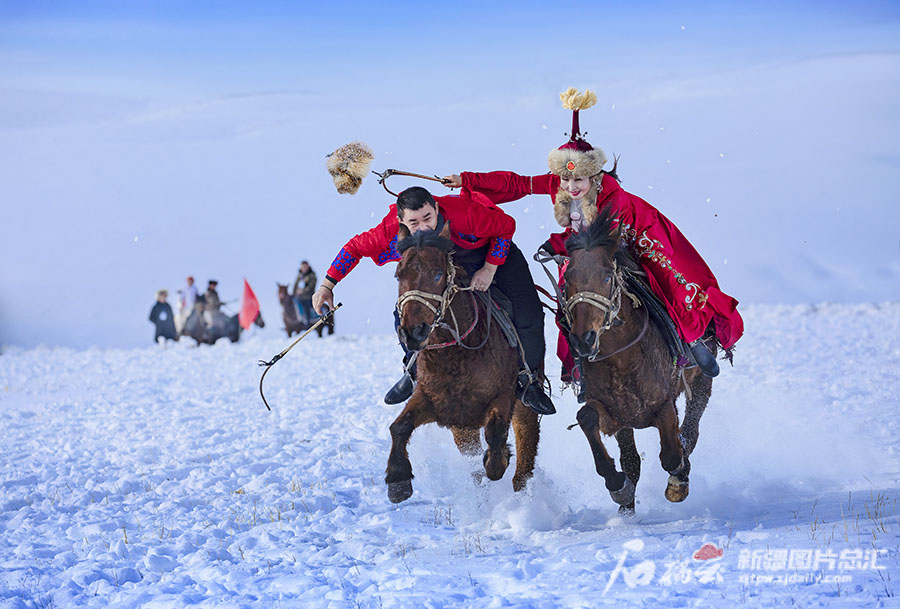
(466, 368)
(222, 326)
(292, 321)
(630, 380)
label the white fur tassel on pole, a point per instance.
(348, 165)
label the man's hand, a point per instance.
(323, 295)
(452, 181)
(483, 277)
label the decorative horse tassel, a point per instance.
(274, 360)
(348, 165)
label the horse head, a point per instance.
(425, 275)
(282, 291)
(593, 283)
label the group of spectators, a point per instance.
(168, 324)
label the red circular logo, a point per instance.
(570, 166)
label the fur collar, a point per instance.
(562, 203)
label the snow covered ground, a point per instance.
(156, 478)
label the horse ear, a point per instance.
(445, 230)
(616, 235)
(402, 232)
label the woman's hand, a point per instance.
(452, 181)
(323, 295)
(483, 277)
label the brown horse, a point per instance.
(466, 368)
(630, 380)
(292, 321)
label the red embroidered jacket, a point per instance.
(676, 272)
(474, 222)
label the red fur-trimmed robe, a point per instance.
(676, 272)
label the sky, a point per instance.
(143, 142)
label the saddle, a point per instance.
(499, 307)
(679, 350)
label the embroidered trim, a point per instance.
(500, 249)
(469, 238)
(389, 255)
(344, 262)
(645, 247)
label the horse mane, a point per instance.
(425, 238)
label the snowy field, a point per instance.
(155, 477)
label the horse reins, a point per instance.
(610, 306)
(440, 311)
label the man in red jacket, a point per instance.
(482, 236)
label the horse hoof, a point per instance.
(399, 492)
(677, 490)
(495, 465)
(625, 495)
(520, 482)
(626, 510)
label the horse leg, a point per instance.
(620, 488)
(630, 461)
(496, 432)
(527, 432)
(701, 389)
(468, 441)
(671, 454)
(398, 475)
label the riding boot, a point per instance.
(705, 359)
(402, 389)
(532, 394)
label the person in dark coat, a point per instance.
(304, 288)
(162, 317)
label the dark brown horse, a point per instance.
(466, 368)
(630, 379)
(292, 321)
(222, 325)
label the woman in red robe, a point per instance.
(579, 187)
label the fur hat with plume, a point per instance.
(576, 158)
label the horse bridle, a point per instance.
(610, 307)
(440, 311)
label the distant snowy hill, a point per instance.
(782, 173)
(154, 477)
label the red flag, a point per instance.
(249, 307)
